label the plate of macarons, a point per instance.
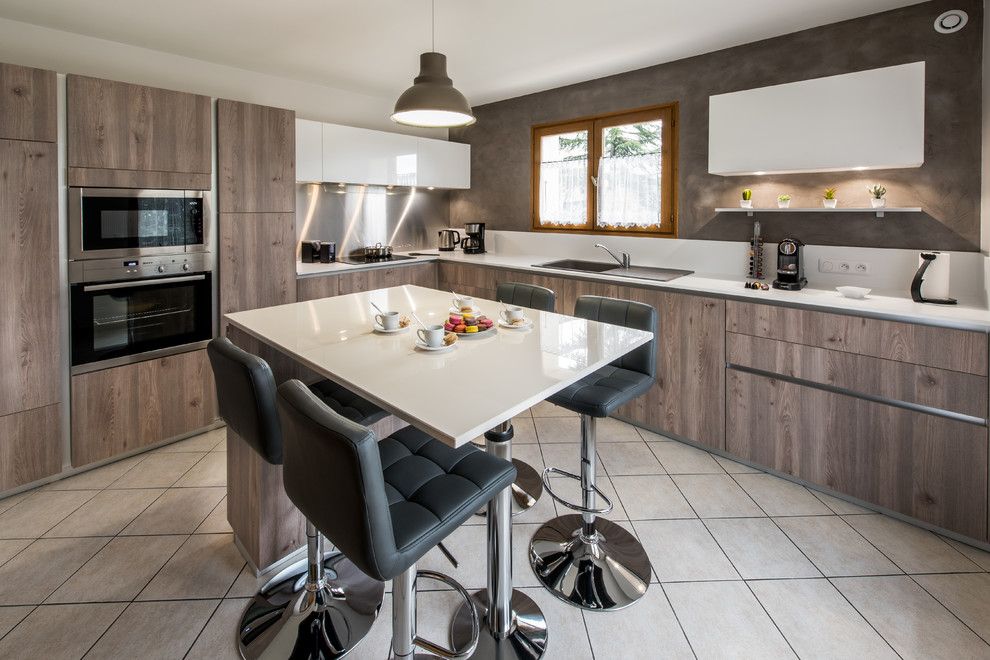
(470, 326)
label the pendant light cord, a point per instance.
(433, 25)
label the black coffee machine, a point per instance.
(474, 241)
(790, 265)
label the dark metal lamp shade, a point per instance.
(432, 101)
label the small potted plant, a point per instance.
(830, 201)
(783, 201)
(877, 192)
(747, 199)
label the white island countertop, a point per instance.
(891, 307)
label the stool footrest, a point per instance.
(570, 505)
(436, 649)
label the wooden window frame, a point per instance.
(594, 125)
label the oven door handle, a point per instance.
(130, 285)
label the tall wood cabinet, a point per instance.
(256, 204)
(121, 135)
(30, 398)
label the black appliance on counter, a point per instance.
(790, 265)
(318, 252)
(474, 241)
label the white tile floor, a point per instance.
(135, 559)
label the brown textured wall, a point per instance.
(946, 187)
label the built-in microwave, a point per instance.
(113, 222)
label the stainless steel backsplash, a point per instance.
(355, 216)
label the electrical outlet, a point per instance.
(844, 267)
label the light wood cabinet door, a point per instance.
(257, 260)
(256, 147)
(924, 466)
(380, 278)
(943, 348)
(116, 131)
(27, 104)
(29, 347)
(314, 288)
(30, 446)
(118, 410)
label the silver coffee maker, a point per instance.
(474, 239)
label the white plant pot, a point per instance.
(746, 203)
(878, 203)
(783, 203)
(830, 203)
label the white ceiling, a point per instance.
(496, 50)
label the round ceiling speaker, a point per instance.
(951, 21)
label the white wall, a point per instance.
(65, 52)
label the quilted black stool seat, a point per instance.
(590, 562)
(383, 504)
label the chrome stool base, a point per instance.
(608, 571)
(286, 621)
(527, 639)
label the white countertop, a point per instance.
(438, 392)
(898, 308)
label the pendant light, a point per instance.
(432, 101)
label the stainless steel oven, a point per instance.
(135, 308)
(112, 222)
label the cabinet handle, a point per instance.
(130, 285)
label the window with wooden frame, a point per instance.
(610, 174)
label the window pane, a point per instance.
(564, 179)
(629, 175)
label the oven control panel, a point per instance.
(134, 268)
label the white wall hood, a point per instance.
(866, 120)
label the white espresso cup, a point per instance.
(431, 335)
(388, 320)
(461, 303)
(511, 313)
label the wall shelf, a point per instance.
(865, 209)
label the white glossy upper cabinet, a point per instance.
(344, 154)
(443, 164)
(866, 120)
(359, 155)
(309, 150)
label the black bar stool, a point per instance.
(385, 504)
(528, 486)
(585, 561)
(323, 605)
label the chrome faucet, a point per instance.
(624, 261)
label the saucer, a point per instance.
(474, 310)
(476, 335)
(525, 326)
(434, 349)
(382, 331)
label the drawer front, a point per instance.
(314, 288)
(943, 348)
(927, 467)
(927, 386)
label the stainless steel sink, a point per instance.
(641, 272)
(577, 264)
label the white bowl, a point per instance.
(856, 292)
